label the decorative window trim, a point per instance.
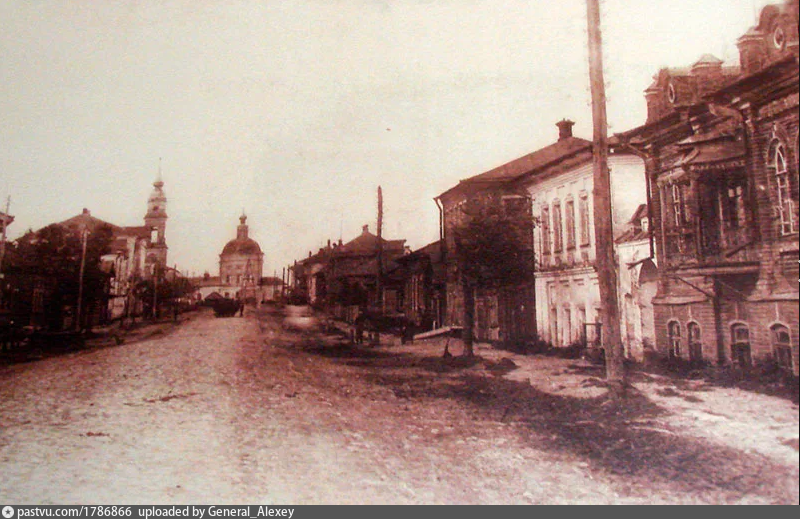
(569, 223)
(782, 350)
(677, 204)
(545, 230)
(695, 342)
(585, 213)
(779, 38)
(558, 223)
(780, 177)
(672, 94)
(741, 350)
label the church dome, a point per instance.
(241, 246)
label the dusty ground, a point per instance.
(243, 410)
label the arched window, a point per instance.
(783, 203)
(740, 345)
(695, 346)
(674, 339)
(782, 346)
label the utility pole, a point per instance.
(605, 263)
(155, 291)
(379, 281)
(5, 222)
(84, 236)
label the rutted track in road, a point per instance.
(238, 410)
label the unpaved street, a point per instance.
(240, 410)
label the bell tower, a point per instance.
(156, 223)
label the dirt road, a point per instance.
(241, 410)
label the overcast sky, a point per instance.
(296, 110)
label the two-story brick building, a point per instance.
(721, 148)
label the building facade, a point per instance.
(424, 288)
(637, 281)
(722, 163)
(504, 311)
(567, 290)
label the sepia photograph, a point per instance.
(397, 252)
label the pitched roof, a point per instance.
(633, 229)
(85, 220)
(432, 250)
(533, 161)
(367, 243)
(707, 59)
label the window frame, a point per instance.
(545, 230)
(694, 340)
(783, 205)
(569, 223)
(786, 346)
(585, 214)
(677, 206)
(674, 339)
(738, 351)
(558, 237)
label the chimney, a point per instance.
(564, 129)
(365, 229)
(86, 212)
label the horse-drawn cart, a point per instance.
(226, 307)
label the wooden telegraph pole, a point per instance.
(155, 291)
(78, 311)
(379, 279)
(605, 262)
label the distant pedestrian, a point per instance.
(359, 329)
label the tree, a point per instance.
(55, 253)
(170, 292)
(493, 249)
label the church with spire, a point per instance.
(135, 253)
(155, 222)
(241, 263)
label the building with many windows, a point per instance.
(568, 302)
(721, 148)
